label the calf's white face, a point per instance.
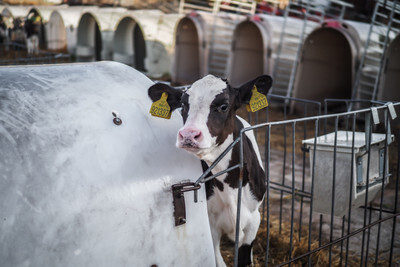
(202, 104)
(208, 110)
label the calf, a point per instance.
(210, 126)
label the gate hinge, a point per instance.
(179, 200)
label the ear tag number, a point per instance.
(160, 108)
(257, 101)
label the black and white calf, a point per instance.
(210, 126)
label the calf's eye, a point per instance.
(223, 108)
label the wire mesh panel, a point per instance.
(333, 184)
(16, 54)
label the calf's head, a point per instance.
(208, 109)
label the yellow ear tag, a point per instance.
(160, 108)
(257, 101)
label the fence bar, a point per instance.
(396, 197)
(368, 237)
(387, 127)
(303, 173)
(351, 186)
(316, 133)
(239, 201)
(321, 218)
(305, 101)
(293, 187)
(333, 187)
(238, 219)
(341, 243)
(267, 161)
(368, 144)
(201, 179)
(377, 209)
(221, 172)
(268, 153)
(288, 189)
(283, 169)
(272, 123)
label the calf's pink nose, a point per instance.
(191, 134)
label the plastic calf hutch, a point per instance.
(191, 53)
(62, 27)
(255, 45)
(202, 44)
(12, 15)
(95, 34)
(89, 42)
(56, 32)
(86, 172)
(144, 40)
(15, 11)
(129, 44)
(328, 62)
(250, 52)
(44, 15)
(390, 79)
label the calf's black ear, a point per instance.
(174, 95)
(263, 84)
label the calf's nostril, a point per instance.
(180, 135)
(197, 136)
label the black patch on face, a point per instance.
(253, 173)
(211, 184)
(244, 258)
(221, 118)
(185, 107)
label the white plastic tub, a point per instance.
(323, 171)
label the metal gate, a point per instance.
(332, 185)
(16, 54)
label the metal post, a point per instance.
(316, 133)
(387, 127)
(268, 190)
(239, 201)
(395, 202)
(351, 186)
(367, 186)
(293, 189)
(333, 188)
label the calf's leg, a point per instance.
(216, 237)
(245, 257)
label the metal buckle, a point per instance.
(178, 191)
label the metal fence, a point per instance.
(332, 185)
(16, 54)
